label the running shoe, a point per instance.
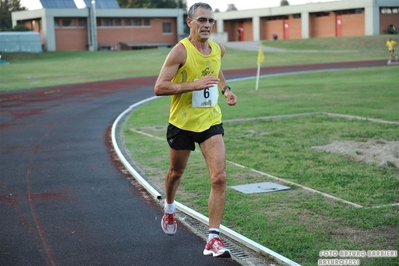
(216, 248)
(169, 223)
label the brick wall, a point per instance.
(353, 25)
(112, 36)
(386, 20)
(74, 38)
(71, 39)
(322, 26)
(270, 27)
(231, 29)
(295, 28)
(248, 31)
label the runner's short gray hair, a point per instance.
(193, 8)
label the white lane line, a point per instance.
(299, 185)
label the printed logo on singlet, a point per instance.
(206, 72)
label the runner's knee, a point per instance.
(219, 180)
(175, 174)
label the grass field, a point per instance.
(296, 223)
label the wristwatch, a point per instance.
(225, 88)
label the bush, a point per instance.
(20, 27)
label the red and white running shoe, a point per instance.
(169, 223)
(216, 248)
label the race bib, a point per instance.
(206, 97)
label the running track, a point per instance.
(64, 199)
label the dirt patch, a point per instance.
(380, 152)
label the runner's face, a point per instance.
(202, 23)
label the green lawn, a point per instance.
(295, 223)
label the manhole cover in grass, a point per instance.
(259, 188)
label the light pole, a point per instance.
(93, 27)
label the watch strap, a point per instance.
(225, 88)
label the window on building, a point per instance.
(117, 22)
(277, 18)
(385, 10)
(136, 22)
(56, 23)
(68, 22)
(82, 22)
(107, 22)
(322, 14)
(297, 16)
(146, 22)
(390, 10)
(128, 22)
(349, 11)
(166, 27)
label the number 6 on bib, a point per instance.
(205, 98)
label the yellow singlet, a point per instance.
(391, 45)
(200, 111)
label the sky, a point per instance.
(251, 4)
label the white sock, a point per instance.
(213, 232)
(170, 208)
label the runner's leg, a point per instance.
(178, 163)
(214, 153)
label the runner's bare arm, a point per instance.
(175, 59)
(231, 98)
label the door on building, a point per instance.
(240, 32)
(338, 26)
(286, 29)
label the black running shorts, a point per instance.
(180, 139)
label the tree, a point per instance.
(6, 7)
(231, 7)
(284, 3)
(20, 27)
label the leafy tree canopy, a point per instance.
(6, 7)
